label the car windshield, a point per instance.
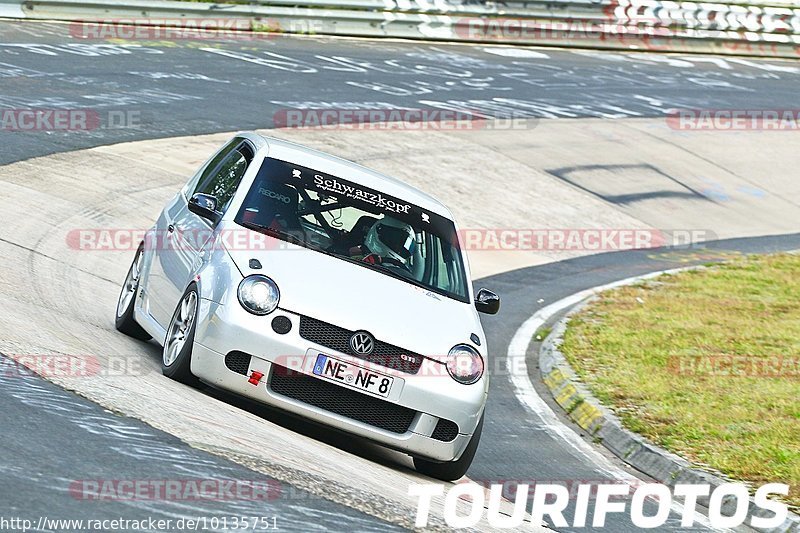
(354, 223)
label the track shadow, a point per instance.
(348, 443)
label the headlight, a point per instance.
(465, 364)
(258, 294)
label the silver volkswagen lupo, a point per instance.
(315, 285)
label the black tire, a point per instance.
(452, 470)
(179, 368)
(124, 320)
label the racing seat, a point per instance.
(277, 209)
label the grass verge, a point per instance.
(705, 363)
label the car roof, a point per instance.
(342, 168)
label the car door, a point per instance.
(185, 233)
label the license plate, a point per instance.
(352, 376)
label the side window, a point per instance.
(223, 175)
(191, 187)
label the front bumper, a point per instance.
(431, 393)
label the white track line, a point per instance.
(530, 399)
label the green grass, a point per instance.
(542, 333)
(647, 351)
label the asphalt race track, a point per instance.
(191, 87)
(160, 90)
(53, 477)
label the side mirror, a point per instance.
(487, 302)
(204, 205)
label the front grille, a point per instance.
(238, 362)
(342, 401)
(338, 339)
(445, 430)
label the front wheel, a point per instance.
(177, 356)
(452, 470)
(125, 321)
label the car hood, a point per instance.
(348, 295)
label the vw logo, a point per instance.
(362, 343)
